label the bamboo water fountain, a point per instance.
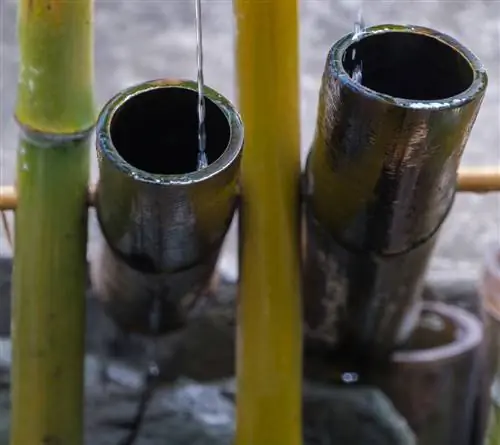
(56, 116)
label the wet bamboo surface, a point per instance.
(163, 220)
(55, 112)
(269, 315)
(381, 179)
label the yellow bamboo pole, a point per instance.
(55, 112)
(269, 370)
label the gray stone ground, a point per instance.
(144, 39)
(195, 404)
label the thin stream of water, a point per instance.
(202, 136)
(359, 26)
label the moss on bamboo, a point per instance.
(55, 111)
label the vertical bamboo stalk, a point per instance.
(269, 324)
(55, 113)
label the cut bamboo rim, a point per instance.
(473, 180)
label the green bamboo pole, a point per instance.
(55, 112)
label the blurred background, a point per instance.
(145, 39)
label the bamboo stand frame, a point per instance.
(470, 180)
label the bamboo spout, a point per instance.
(381, 178)
(163, 220)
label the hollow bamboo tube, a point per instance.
(381, 178)
(269, 316)
(470, 180)
(55, 112)
(163, 220)
(432, 380)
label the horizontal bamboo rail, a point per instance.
(470, 180)
(479, 180)
(8, 197)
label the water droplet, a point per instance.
(153, 369)
(350, 377)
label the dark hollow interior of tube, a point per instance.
(157, 131)
(409, 66)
